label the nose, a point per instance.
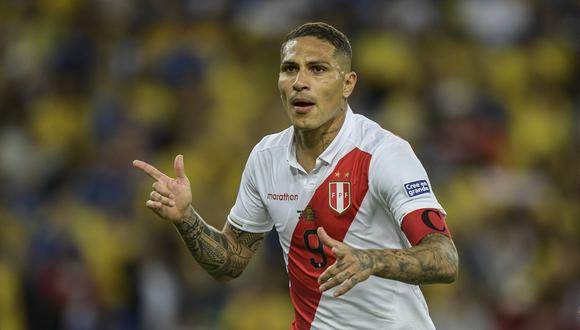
(300, 83)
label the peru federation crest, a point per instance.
(339, 195)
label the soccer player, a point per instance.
(358, 222)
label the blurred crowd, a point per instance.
(486, 91)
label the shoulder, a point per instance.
(268, 153)
(370, 137)
(274, 141)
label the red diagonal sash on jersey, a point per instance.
(307, 258)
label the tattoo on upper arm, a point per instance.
(250, 240)
(222, 254)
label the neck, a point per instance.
(312, 143)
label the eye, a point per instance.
(288, 68)
(318, 68)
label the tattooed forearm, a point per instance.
(223, 254)
(434, 260)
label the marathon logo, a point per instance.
(417, 188)
(282, 197)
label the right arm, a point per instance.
(223, 254)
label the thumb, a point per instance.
(179, 167)
(327, 240)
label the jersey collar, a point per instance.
(333, 149)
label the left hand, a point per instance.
(351, 267)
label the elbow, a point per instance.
(451, 274)
(442, 266)
(224, 277)
(452, 270)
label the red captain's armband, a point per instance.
(421, 222)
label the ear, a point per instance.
(349, 83)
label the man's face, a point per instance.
(313, 83)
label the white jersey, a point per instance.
(359, 191)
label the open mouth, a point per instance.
(302, 106)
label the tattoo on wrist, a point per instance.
(190, 227)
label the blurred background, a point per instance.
(486, 91)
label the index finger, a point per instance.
(149, 169)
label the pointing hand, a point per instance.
(171, 197)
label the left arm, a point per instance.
(433, 260)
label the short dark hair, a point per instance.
(324, 32)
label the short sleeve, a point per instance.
(399, 181)
(249, 212)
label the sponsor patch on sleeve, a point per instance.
(417, 188)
